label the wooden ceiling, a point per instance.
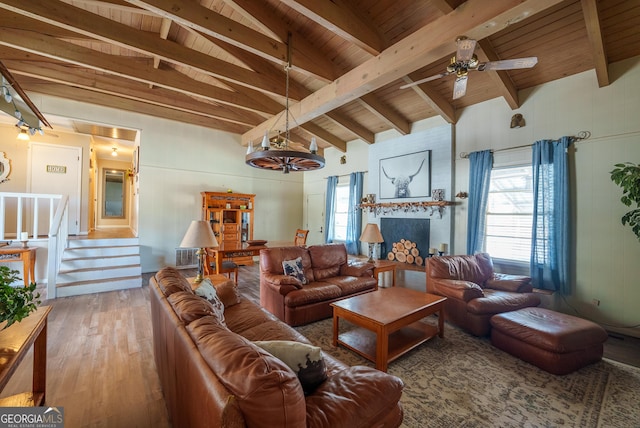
(221, 63)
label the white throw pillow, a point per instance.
(294, 268)
(305, 361)
(207, 291)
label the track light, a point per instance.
(23, 135)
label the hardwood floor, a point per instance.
(100, 356)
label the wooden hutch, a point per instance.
(231, 218)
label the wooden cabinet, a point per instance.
(231, 218)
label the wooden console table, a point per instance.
(15, 342)
(28, 258)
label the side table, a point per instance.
(15, 343)
(385, 266)
(28, 258)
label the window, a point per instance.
(510, 213)
(341, 212)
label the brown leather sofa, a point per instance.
(330, 274)
(212, 375)
(475, 292)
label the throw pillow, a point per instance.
(305, 361)
(227, 293)
(207, 291)
(294, 268)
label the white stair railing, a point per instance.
(58, 241)
(28, 208)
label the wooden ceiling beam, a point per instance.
(500, 78)
(97, 98)
(127, 67)
(8, 77)
(302, 48)
(119, 6)
(327, 137)
(254, 63)
(105, 84)
(190, 14)
(476, 19)
(433, 98)
(594, 31)
(76, 19)
(385, 113)
(164, 33)
(339, 18)
(349, 125)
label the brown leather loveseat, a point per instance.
(475, 292)
(213, 374)
(329, 276)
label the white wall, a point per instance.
(438, 140)
(177, 162)
(606, 253)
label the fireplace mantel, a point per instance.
(393, 207)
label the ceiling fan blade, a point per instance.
(465, 49)
(509, 64)
(426, 79)
(460, 87)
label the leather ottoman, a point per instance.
(553, 341)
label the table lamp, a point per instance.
(371, 235)
(199, 235)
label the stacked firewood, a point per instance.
(405, 251)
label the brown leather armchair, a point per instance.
(475, 292)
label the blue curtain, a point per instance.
(330, 209)
(550, 236)
(354, 217)
(479, 180)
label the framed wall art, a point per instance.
(406, 176)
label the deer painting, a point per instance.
(401, 182)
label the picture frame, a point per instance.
(405, 177)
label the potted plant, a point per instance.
(627, 176)
(16, 303)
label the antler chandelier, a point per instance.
(281, 157)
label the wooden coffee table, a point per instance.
(388, 323)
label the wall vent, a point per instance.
(186, 257)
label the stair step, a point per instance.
(73, 253)
(96, 262)
(98, 265)
(94, 274)
(98, 286)
(105, 242)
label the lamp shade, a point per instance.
(371, 234)
(199, 235)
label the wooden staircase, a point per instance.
(97, 265)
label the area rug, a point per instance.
(463, 381)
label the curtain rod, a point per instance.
(346, 175)
(582, 135)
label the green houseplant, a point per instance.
(627, 176)
(15, 302)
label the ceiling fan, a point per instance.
(465, 60)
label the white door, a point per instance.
(315, 219)
(57, 170)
